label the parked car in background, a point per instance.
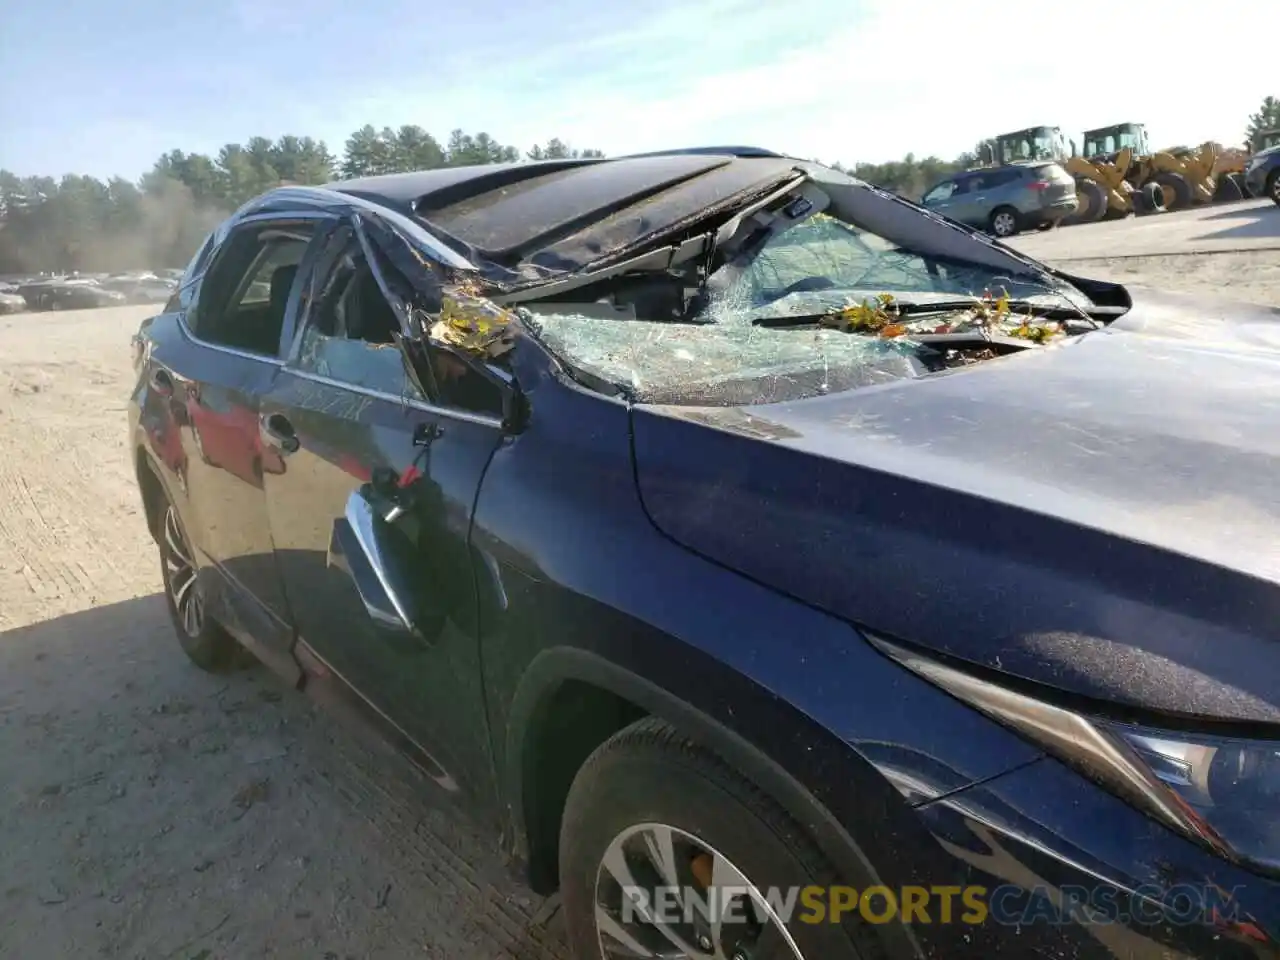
(1006, 200)
(718, 527)
(147, 289)
(1262, 174)
(12, 303)
(69, 295)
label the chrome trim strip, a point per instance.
(479, 419)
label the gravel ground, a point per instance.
(148, 810)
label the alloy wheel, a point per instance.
(662, 892)
(180, 576)
(1003, 224)
(1275, 188)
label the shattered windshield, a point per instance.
(722, 355)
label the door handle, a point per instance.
(161, 383)
(277, 431)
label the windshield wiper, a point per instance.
(907, 308)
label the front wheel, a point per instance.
(665, 851)
(1273, 187)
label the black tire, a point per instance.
(1093, 202)
(1272, 189)
(651, 773)
(1227, 190)
(1004, 222)
(207, 644)
(1177, 192)
(1154, 199)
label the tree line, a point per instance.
(86, 224)
(82, 223)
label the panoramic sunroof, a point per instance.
(512, 217)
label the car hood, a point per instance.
(1102, 515)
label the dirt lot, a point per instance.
(1253, 226)
(148, 810)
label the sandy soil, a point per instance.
(148, 810)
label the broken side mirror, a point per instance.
(467, 382)
(381, 562)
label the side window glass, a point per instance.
(349, 336)
(941, 192)
(349, 327)
(242, 298)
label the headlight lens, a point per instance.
(1231, 787)
(1222, 791)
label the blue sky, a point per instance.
(98, 88)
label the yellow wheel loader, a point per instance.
(1186, 176)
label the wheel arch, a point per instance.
(535, 795)
(152, 488)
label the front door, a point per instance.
(386, 604)
(235, 316)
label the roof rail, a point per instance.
(738, 151)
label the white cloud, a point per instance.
(870, 81)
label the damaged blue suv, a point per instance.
(780, 568)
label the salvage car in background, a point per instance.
(147, 289)
(720, 524)
(1036, 195)
(69, 295)
(1262, 173)
(12, 303)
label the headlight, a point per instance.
(1221, 791)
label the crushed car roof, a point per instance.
(563, 214)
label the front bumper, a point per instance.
(1070, 870)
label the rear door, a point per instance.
(371, 511)
(969, 204)
(234, 314)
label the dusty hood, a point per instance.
(1103, 515)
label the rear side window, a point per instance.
(999, 178)
(245, 291)
(1050, 171)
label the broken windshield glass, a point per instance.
(719, 357)
(826, 263)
